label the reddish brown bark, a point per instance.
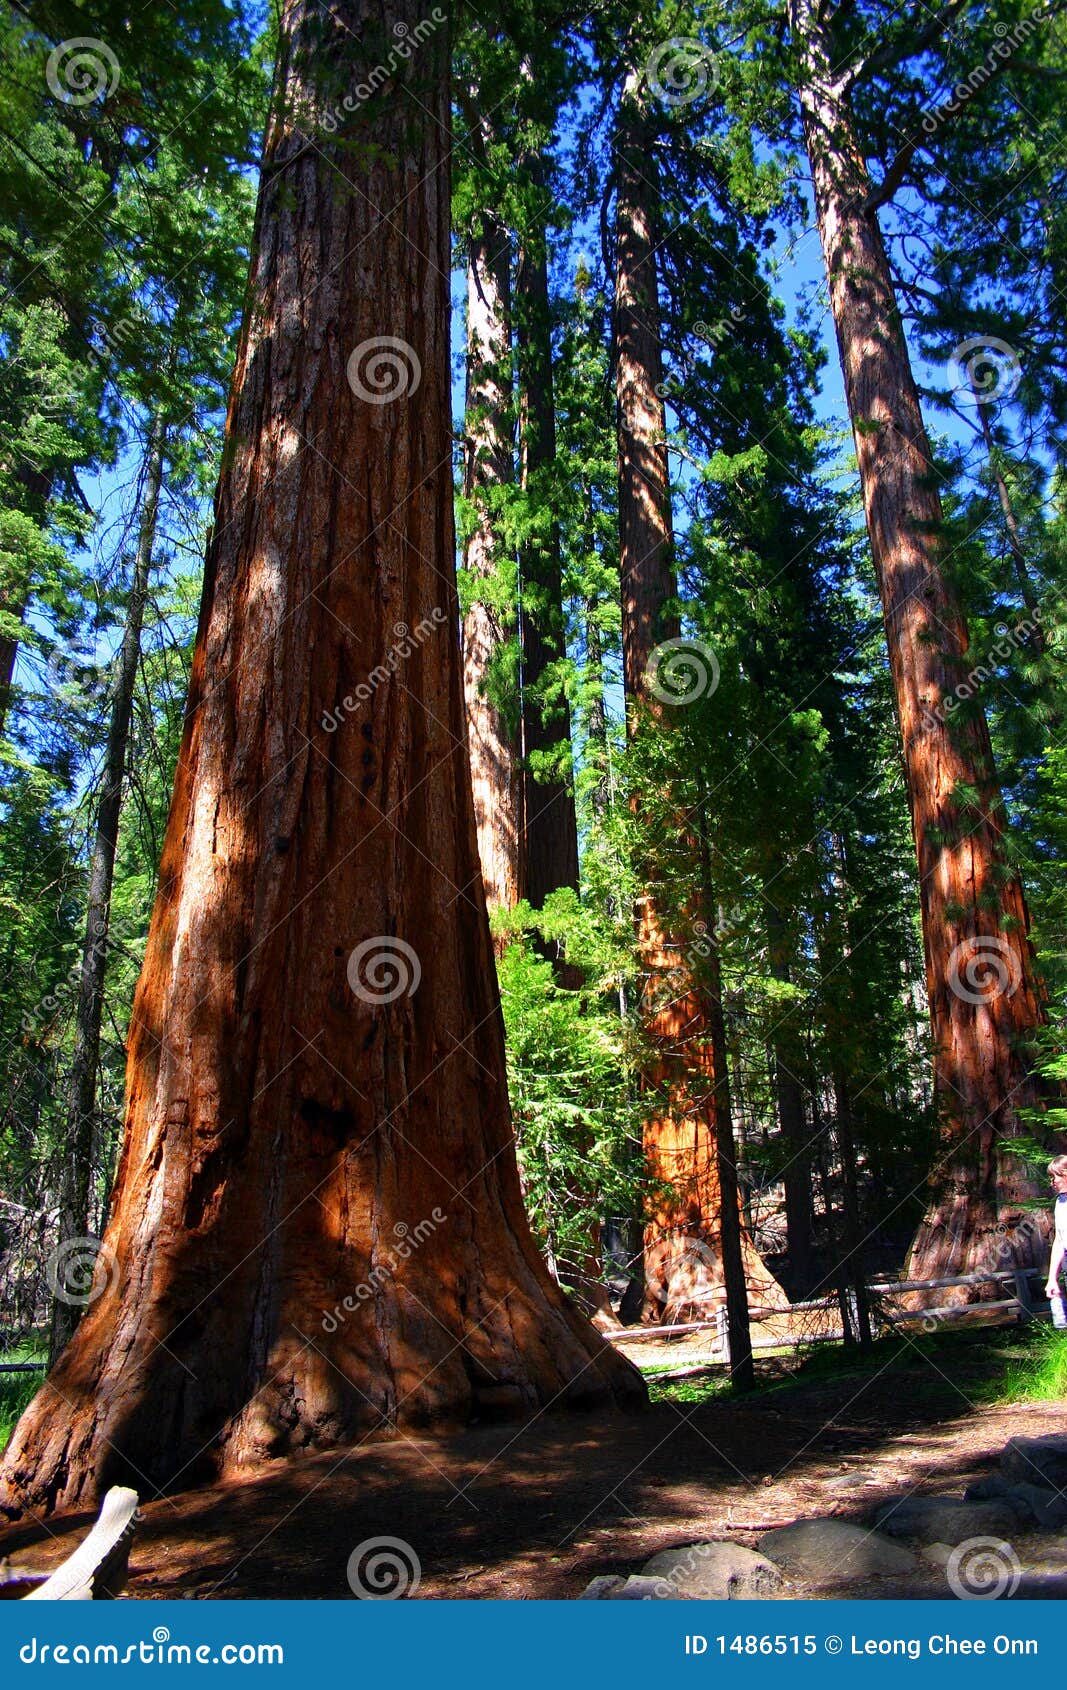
(291, 1141)
(983, 993)
(488, 623)
(688, 1121)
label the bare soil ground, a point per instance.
(537, 1510)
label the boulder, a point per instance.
(601, 1587)
(714, 1572)
(1035, 1505)
(947, 1519)
(1037, 1461)
(834, 1552)
(638, 1589)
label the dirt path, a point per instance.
(536, 1511)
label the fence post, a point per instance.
(722, 1323)
(1021, 1277)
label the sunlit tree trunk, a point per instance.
(983, 993)
(489, 619)
(317, 1229)
(684, 1239)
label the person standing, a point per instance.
(1058, 1174)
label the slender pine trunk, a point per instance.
(75, 1201)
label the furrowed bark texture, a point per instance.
(494, 743)
(983, 993)
(292, 1142)
(683, 1238)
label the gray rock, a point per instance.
(599, 1588)
(640, 1589)
(947, 1519)
(834, 1552)
(713, 1571)
(1035, 1505)
(1037, 1461)
(938, 1554)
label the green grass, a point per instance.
(992, 1366)
(16, 1389)
(1040, 1374)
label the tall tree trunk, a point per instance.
(983, 993)
(74, 1212)
(37, 489)
(317, 1228)
(792, 1117)
(548, 803)
(492, 726)
(1011, 523)
(684, 1238)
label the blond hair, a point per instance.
(1057, 1167)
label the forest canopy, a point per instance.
(532, 762)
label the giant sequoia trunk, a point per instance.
(487, 626)
(74, 1217)
(317, 1229)
(689, 1117)
(983, 994)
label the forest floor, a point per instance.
(537, 1510)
